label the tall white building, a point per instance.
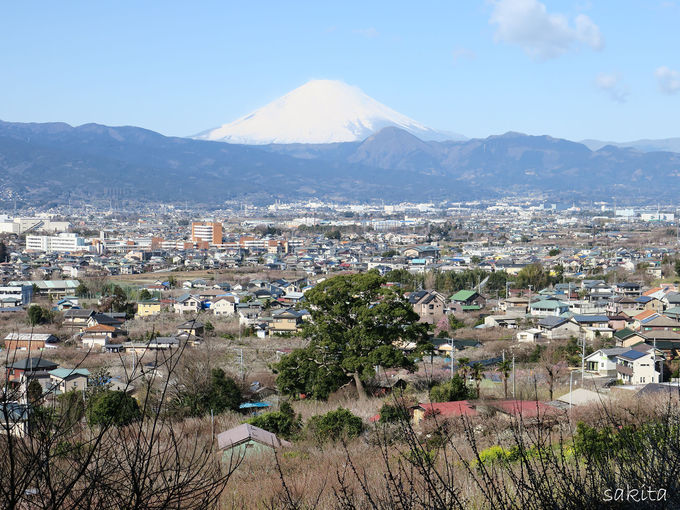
(64, 242)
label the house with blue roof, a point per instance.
(638, 366)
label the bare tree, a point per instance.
(54, 458)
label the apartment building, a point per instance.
(64, 242)
(209, 231)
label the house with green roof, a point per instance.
(626, 337)
(69, 379)
(547, 307)
(467, 301)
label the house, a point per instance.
(160, 343)
(421, 252)
(510, 321)
(530, 335)
(30, 341)
(187, 303)
(591, 321)
(286, 321)
(163, 342)
(99, 335)
(517, 304)
(649, 303)
(627, 337)
(69, 379)
(247, 439)
(191, 328)
(148, 307)
(666, 340)
(604, 361)
(443, 346)
(671, 299)
(553, 327)
(429, 305)
(225, 305)
(642, 317)
(618, 322)
(14, 418)
(593, 326)
(442, 410)
(673, 312)
(637, 367)
(77, 318)
(67, 303)
(547, 307)
(25, 370)
(468, 298)
(659, 323)
(627, 289)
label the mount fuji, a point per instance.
(318, 112)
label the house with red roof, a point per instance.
(443, 409)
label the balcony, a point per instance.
(624, 370)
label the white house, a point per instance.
(604, 361)
(548, 307)
(530, 335)
(223, 306)
(637, 367)
(187, 304)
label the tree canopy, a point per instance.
(39, 315)
(112, 407)
(221, 393)
(356, 320)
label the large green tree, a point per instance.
(356, 322)
(219, 393)
(39, 315)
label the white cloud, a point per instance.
(542, 35)
(370, 32)
(463, 53)
(668, 80)
(613, 86)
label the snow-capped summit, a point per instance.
(320, 111)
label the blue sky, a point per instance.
(574, 69)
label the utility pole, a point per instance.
(583, 359)
(513, 375)
(241, 369)
(452, 349)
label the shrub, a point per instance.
(335, 425)
(283, 423)
(450, 391)
(113, 408)
(393, 413)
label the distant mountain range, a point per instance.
(665, 144)
(45, 164)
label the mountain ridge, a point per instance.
(57, 163)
